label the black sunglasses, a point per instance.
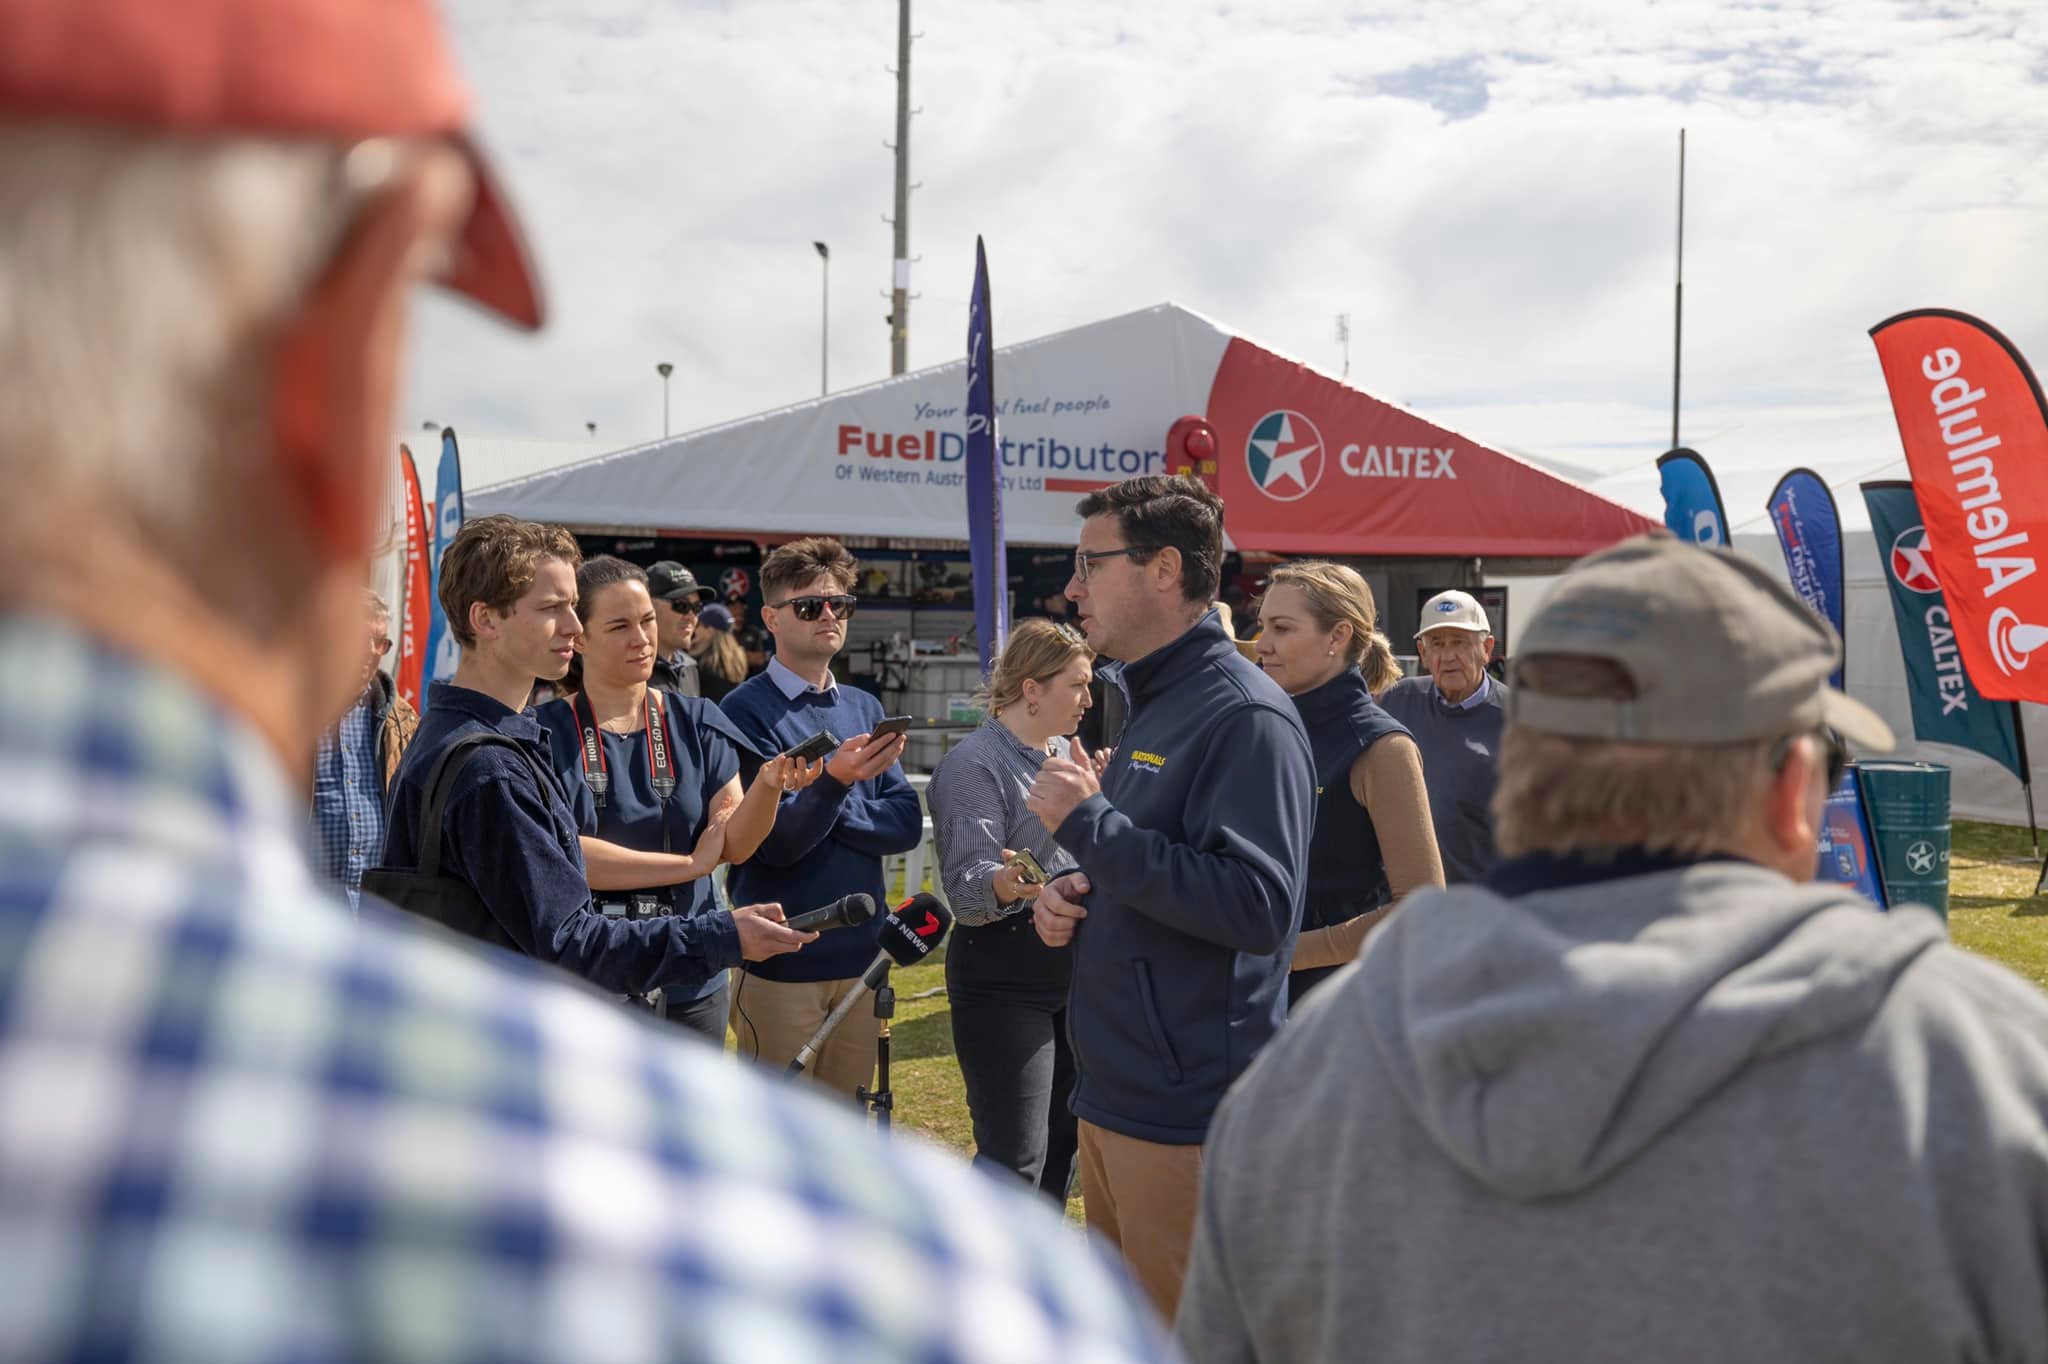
(685, 606)
(809, 609)
(1837, 755)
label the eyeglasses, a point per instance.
(1837, 754)
(809, 609)
(1084, 559)
(383, 645)
(686, 606)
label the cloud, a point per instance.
(1489, 190)
(1455, 88)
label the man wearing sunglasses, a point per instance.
(678, 597)
(829, 840)
(356, 761)
(1647, 1091)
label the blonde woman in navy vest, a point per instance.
(1373, 843)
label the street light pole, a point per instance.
(824, 319)
(664, 369)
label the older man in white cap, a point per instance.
(1650, 1092)
(1455, 714)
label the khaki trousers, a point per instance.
(772, 1019)
(1142, 1196)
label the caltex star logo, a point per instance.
(1285, 455)
(1911, 564)
(1920, 858)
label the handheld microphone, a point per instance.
(846, 912)
(909, 933)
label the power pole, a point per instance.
(1678, 293)
(899, 298)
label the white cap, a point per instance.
(1453, 611)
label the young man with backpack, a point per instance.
(510, 864)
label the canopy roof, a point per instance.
(1305, 463)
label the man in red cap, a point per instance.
(236, 1123)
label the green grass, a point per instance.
(1992, 908)
(1992, 911)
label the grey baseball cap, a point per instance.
(1719, 651)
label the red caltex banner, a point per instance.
(414, 613)
(1971, 417)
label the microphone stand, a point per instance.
(881, 1098)
(875, 980)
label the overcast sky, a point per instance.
(1487, 189)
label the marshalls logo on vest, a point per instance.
(1975, 477)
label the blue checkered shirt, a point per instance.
(239, 1124)
(348, 800)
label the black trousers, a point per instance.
(1299, 983)
(1009, 1012)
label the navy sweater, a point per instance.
(510, 835)
(829, 840)
(1460, 766)
(1195, 851)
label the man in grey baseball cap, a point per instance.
(1648, 1092)
(678, 597)
(1456, 713)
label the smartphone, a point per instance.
(894, 724)
(813, 748)
(1028, 867)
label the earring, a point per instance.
(1031, 708)
(1330, 654)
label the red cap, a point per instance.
(337, 70)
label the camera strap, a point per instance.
(660, 756)
(595, 774)
(660, 759)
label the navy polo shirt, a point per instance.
(705, 749)
(510, 834)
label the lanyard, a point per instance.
(660, 757)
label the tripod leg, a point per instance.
(884, 1097)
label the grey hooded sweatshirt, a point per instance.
(1700, 1113)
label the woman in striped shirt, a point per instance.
(1008, 989)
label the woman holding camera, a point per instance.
(1008, 989)
(1374, 842)
(654, 777)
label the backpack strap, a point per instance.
(441, 782)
